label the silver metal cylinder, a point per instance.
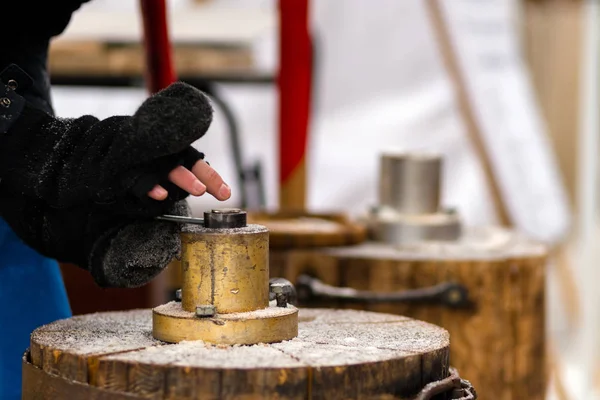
(442, 227)
(410, 183)
(409, 209)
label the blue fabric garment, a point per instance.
(32, 293)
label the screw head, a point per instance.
(282, 289)
(454, 296)
(207, 310)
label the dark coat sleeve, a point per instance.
(28, 27)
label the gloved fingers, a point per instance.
(190, 156)
(215, 185)
(195, 183)
(182, 177)
(168, 122)
(158, 193)
(186, 180)
(140, 181)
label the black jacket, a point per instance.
(28, 26)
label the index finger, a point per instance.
(212, 180)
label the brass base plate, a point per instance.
(172, 324)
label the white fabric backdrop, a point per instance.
(380, 84)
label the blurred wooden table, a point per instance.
(210, 42)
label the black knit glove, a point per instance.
(116, 161)
(76, 189)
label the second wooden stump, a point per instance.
(498, 343)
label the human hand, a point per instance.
(201, 179)
(86, 191)
(137, 165)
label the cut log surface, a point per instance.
(290, 229)
(338, 354)
(482, 243)
(498, 344)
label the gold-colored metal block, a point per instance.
(225, 293)
(225, 269)
(172, 324)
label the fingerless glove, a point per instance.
(71, 162)
(76, 189)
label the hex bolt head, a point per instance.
(283, 291)
(178, 294)
(277, 289)
(207, 310)
(277, 292)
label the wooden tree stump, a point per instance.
(498, 344)
(339, 354)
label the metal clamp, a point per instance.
(454, 386)
(449, 294)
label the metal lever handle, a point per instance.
(449, 294)
(180, 219)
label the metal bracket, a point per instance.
(449, 294)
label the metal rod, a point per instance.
(180, 219)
